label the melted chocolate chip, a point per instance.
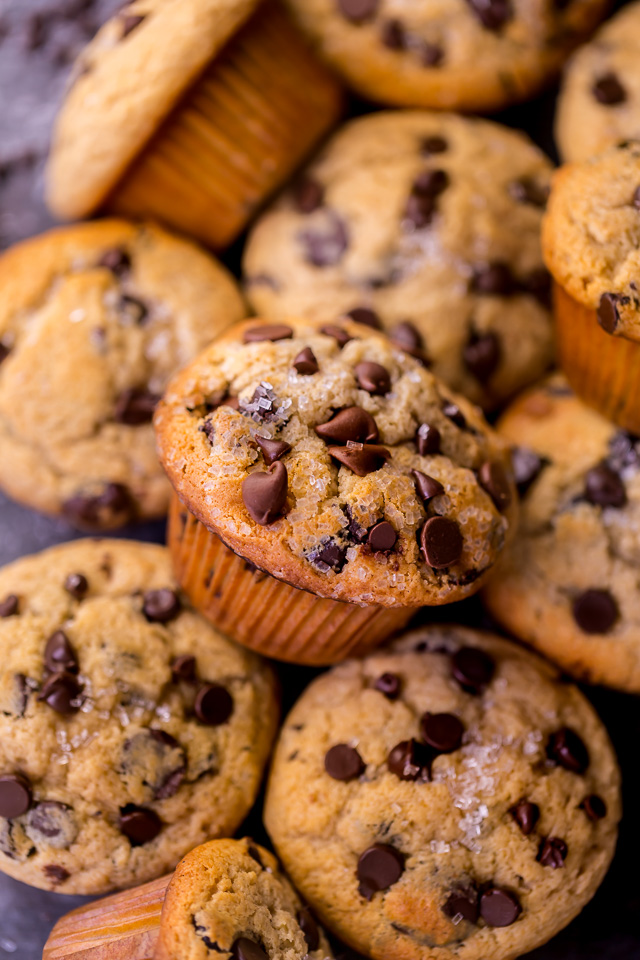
(492, 280)
(308, 195)
(373, 377)
(441, 542)
(481, 355)
(61, 692)
(426, 487)
(389, 685)
(427, 440)
(264, 494)
(214, 705)
(55, 873)
(246, 949)
(351, 424)
(15, 795)
(183, 669)
(608, 90)
(366, 316)
(139, 824)
(473, 669)
(161, 606)
(567, 750)
(52, 823)
(379, 867)
(305, 362)
(77, 585)
(113, 507)
(595, 611)
(361, 458)
(527, 190)
(594, 807)
(309, 928)
(10, 606)
(135, 406)
(357, 11)
(339, 334)
(442, 731)
(604, 487)
(59, 655)
(117, 260)
(410, 760)
(343, 762)
(382, 537)
(499, 908)
(268, 331)
(494, 480)
(462, 902)
(526, 815)
(328, 556)
(552, 852)
(527, 466)
(272, 450)
(325, 247)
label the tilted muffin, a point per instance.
(333, 461)
(568, 586)
(455, 54)
(428, 225)
(130, 730)
(591, 245)
(94, 319)
(599, 104)
(447, 798)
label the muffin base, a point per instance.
(604, 370)
(265, 614)
(237, 135)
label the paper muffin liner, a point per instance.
(604, 370)
(124, 926)
(268, 615)
(236, 136)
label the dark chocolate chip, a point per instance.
(272, 450)
(481, 355)
(117, 261)
(567, 750)
(268, 331)
(343, 762)
(426, 487)
(608, 90)
(161, 606)
(473, 669)
(77, 585)
(133, 309)
(61, 692)
(441, 542)
(410, 760)
(594, 807)
(264, 406)
(393, 35)
(492, 280)
(379, 867)
(462, 902)
(442, 731)
(324, 247)
(308, 195)
(427, 439)
(431, 54)
(113, 507)
(453, 412)
(389, 685)
(366, 316)
(499, 908)
(528, 190)
(305, 362)
(351, 424)
(214, 705)
(526, 815)
(59, 655)
(608, 314)
(492, 14)
(10, 606)
(129, 23)
(406, 336)
(139, 824)
(494, 480)
(264, 494)
(339, 334)
(604, 487)
(527, 466)
(357, 11)
(425, 190)
(361, 458)
(4, 351)
(373, 377)
(183, 668)
(328, 556)
(15, 795)
(552, 852)
(309, 928)
(55, 873)
(595, 611)
(382, 537)
(246, 949)
(433, 144)
(135, 406)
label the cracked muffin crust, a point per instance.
(427, 225)
(130, 730)
(335, 462)
(568, 585)
(456, 54)
(447, 797)
(230, 897)
(94, 319)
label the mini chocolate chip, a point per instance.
(351, 424)
(246, 949)
(183, 668)
(361, 458)
(214, 705)
(382, 537)
(133, 309)
(61, 691)
(117, 260)
(608, 90)
(379, 867)
(552, 852)
(492, 14)
(339, 334)
(393, 35)
(10, 606)
(373, 377)
(114, 506)
(77, 585)
(325, 247)
(604, 487)
(55, 873)
(427, 439)
(161, 606)
(426, 487)
(594, 807)
(595, 611)
(129, 23)
(139, 824)
(492, 280)
(410, 760)
(499, 908)
(442, 731)
(453, 412)
(527, 190)
(433, 144)
(272, 450)
(308, 195)
(268, 331)
(527, 466)
(305, 362)
(329, 554)
(59, 655)
(441, 542)
(567, 749)
(462, 902)
(481, 355)
(135, 406)
(357, 11)
(389, 685)
(473, 669)
(608, 315)
(494, 480)
(635, 202)
(526, 815)
(264, 494)
(15, 795)
(309, 928)
(343, 762)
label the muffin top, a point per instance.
(455, 54)
(124, 84)
(599, 105)
(130, 730)
(569, 585)
(336, 462)
(591, 236)
(94, 319)
(231, 897)
(448, 797)
(419, 220)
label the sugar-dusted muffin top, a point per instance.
(336, 462)
(130, 730)
(450, 797)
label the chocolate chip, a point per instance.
(635, 202)
(481, 355)
(393, 35)
(492, 14)
(4, 351)
(325, 247)
(552, 852)
(499, 908)
(527, 190)
(139, 824)
(462, 902)
(59, 655)
(309, 928)
(406, 336)
(117, 260)
(61, 691)
(526, 815)
(328, 556)
(114, 506)
(366, 316)
(133, 309)
(339, 334)
(264, 494)
(214, 705)
(453, 412)
(361, 458)
(527, 466)
(389, 685)
(305, 362)
(426, 487)
(567, 750)
(308, 195)
(52, 823)
(15, 795)
(55, 873)
(442, 731)
(608, 90)
(268, 331)
(379, 867)
(382, 537)
(246, 949)
(77, 585)
(433, 144)
(427, 439)
(595, 611)
(473, 669)
(410, 760)
(608, 315)
(494, 480)
(129, 23)
(264, 406)
(161, 606)
(431, 54)
(426, 188)
(351, 424)
(254, 853)
(594, 807)
(604, 487)
(492, 280)
(183, 668)
(10, 606)
(272, 450)
(373, 377)
(441, 542)
(343, 762)
(357, 11)
(135, 406)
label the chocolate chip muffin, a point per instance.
(334, 461)
(471, 55)
(568, 584)
(449, 797)
(427, 225)
(599, 103)
(94, 319)
(130, 730)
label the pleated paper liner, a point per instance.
(124, 926)
(237, 135)
(603, 370)
(265, 614)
